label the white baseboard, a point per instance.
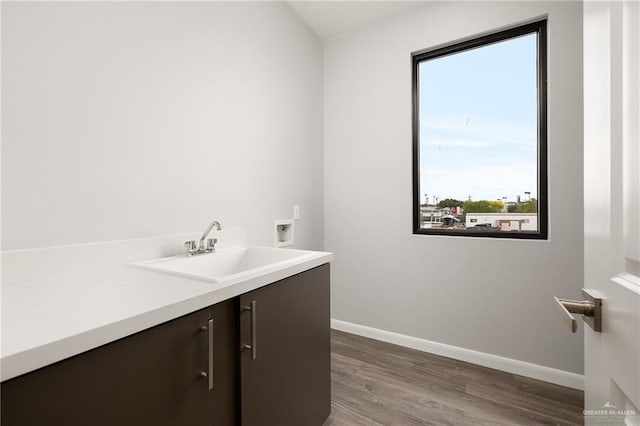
(534, 371)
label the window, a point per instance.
(480, 136)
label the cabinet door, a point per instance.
(224, 384)
(150, 378)
(286, 375)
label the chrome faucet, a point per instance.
(210, 245)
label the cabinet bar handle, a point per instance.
(254, 338)
(210, 354)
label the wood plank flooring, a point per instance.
(377, 383)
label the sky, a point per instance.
(478, 123)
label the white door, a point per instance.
(612, 201)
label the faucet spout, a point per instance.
(209, 228)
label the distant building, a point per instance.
(432, 216)
(504, 221)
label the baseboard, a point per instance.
(534, 371)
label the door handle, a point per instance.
(590, 308)
(254, 336)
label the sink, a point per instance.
(229, 263)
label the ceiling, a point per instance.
(332, 18)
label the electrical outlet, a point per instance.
(296, 212)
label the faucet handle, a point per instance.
(211, 244)
(191, 247)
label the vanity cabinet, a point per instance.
(154, 377)
(150, 378)
(224, 392)
(262, 358)
(285, 361)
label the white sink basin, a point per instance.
(229, 263)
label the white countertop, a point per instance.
(64, 310)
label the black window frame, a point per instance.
(540, 28)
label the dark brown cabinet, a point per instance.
(224, 403)
(195, 370)
(150, 378)
(156, 377)
(285, 365)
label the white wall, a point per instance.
(493, 296)
(124, 120)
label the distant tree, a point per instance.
(497, 205)
(483, 206)
(530, 206)
(450, 202)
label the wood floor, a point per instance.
(377, 383)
